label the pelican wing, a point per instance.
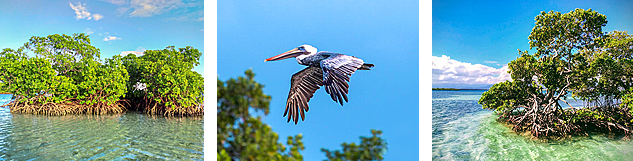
(303, 85)
(336, 72)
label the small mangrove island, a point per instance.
(446, 89)
(572, 58)
(67, 76)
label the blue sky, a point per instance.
(382, 32)
(473, 41)
(114, 26)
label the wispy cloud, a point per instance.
(148, 8)
(111, 38)
(81, 12)
(117, 2)
(139, 51)
(492, 62)
(193, 16)
(447, 70)
(89, 31)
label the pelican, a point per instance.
(328, 69)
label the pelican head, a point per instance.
(299, 51)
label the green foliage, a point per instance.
(607, 69)
(3, 88)
(503, 97)
(559, 34)
(243, 136)
(172, 88)
(370, 148)
(26, 77)
(65, 69)
(627, 101)
(562, 42)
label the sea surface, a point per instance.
(131, 135)
(462, 130)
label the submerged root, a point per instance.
(72, 107)
(157, 109)
(154, 108)
(556, 123)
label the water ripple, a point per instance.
(464, 131)
(108, 137)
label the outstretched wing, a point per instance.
(336, 72)
(303, 85)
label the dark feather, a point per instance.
(303, 85)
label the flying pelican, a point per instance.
(328, 69)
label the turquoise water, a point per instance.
(108, 137)
(462, 130)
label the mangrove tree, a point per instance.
(67, 76)
(64, 77)
(163, 81)
(573, 58)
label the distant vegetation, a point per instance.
(67, 76)
(243, 136)
(572, 55)
(446, 89)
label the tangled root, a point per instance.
(155, 108)
(56, 109)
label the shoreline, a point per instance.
(455, 89)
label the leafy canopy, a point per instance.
(370, 148)
(65, 69)
(162, 81)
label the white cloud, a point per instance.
(81, 12)
(97, 17)
(447, 70)
(139, 52)
(110, 38)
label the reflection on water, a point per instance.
(464, 131)
(88, 137)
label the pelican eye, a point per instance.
(301, 48)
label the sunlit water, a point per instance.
(462, 130)
(109, 137)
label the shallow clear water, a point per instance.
(462, 130)
(108, 137)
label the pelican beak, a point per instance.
(288, 54)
